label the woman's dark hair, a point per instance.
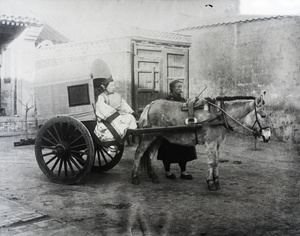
(100, 85)
(105, 83)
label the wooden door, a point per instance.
(147, 76)
(155, 67)
(176, 68)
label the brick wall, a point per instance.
(16, 126)
(244, 58)
(8, 80)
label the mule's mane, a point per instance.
(232, 98)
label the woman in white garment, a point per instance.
(113, 113)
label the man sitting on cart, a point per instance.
(113, 113)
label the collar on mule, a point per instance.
(191, 103)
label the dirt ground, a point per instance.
(259, 193)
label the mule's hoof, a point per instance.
(212, 186)
(155, 180)
(136, 180)
(216, 181)
(217, 185)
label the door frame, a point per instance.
(164, 81)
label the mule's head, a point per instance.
(266, 134)
(259, 124)
(261, 117)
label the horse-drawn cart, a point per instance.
(66, 146)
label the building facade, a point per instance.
(238, 58)
(17, 43)
(19, 39)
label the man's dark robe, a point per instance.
(175, 153)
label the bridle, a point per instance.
(258, 133)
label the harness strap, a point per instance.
(192, 119)
(113, 131)
(190, 104)
(230, 116)
(108, 125)
(227, 126)
(112, 117)
(255, 133)
(196, 136)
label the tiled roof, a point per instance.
(234, 22)
(12, 26)
(18, 20)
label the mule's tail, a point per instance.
(144, 118)
(145, 162)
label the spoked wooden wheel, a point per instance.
(106, 157)
(64, 150)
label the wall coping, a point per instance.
(236, 22)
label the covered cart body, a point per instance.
(64, 82)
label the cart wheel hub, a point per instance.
(61, 149)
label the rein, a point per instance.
(222, 99)
(224, 112)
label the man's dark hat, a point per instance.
(174, 82)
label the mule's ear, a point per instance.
(259, 101)
(263, 94)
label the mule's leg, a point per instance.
(151, 173)
(212, 179)
(138, 155)
(216, 169)
(141, 149)
(152, 154)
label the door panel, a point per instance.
(155, 66)
(147, 83)
(177, 68)
(147, 75)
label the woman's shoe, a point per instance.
(188, 177)
(113, 149)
